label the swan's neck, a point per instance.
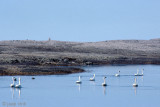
(104, 80)
(137, 71)
(142, 71)
(79, 78)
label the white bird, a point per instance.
(135, 83)
(79, 81)
(137, 73)
(142, 72)
(104, 83)
(118, 74)
(12, 85)
(19, 85)
(93, 78)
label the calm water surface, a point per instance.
(62, 91)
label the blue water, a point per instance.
(62, 91)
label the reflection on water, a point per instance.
(93, 83)
(19, 92)
(142, 78)
(135, 90)
(16, 92)
(12, 91)
(104, 90)
(79, 87)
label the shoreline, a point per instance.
(13, 70)
(32, 70)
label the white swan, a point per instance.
(19, 85)
(118, 74)
(142, 72)
(12, 85)
(104, 83)
(137, 73)
(93, 78)
(79, 81)
(135, 83)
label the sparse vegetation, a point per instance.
(27, 55)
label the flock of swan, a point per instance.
(13, 85)
(117, 75)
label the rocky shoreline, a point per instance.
(27, 57)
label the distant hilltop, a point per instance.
(80, 53)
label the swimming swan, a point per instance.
(135, 83)
(104, 83)
(118, 74)
(93, 78)
(19, 85)
(79, 81)
(12, 85)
